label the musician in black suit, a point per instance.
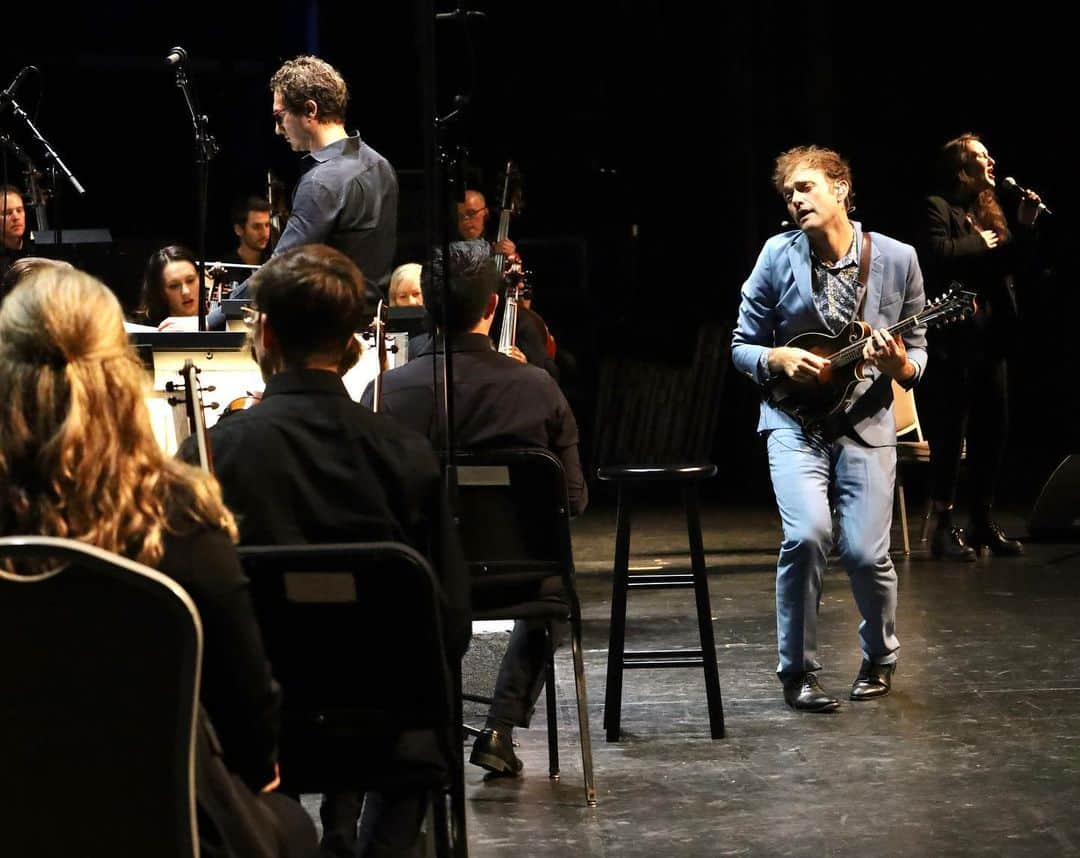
(309, 465)
(498, 402)
(968, 239)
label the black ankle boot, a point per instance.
(950, 543)
(987, 532)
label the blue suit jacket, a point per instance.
(778, 304)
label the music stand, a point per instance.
(87, 249)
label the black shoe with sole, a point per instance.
(990, 534)
(874, 680)
(494, 751)
(951, 543)
(805, 694)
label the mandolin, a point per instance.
(812, 402)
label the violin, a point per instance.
(242, 403)
(384, 346)
(193, 403)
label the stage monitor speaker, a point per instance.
(1056, 513)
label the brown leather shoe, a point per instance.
(805, 694)
(874, 680)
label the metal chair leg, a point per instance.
(582, 702)
(552, 712)
(440, 824)
(456, 752)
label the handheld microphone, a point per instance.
(1010, 182)
(176, 56)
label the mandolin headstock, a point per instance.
(953, 305)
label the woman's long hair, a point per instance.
(958, 185)
(155, 306)
(78, 458)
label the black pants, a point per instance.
(969, 399)
(389, 826)
(522, 671)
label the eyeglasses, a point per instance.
(251, 315)
(469, 214)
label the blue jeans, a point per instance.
(807, 474)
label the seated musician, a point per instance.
(170, 297)
(78, 459)
(307, 464)
(251, 224)
(498, 401)
(22, 268)
(14, 243)
(533, 341)
(819, 278)
(405, 286)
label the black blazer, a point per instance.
(952, 250)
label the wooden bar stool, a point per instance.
(627, 477)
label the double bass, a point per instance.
(510, 203)
(517, 302)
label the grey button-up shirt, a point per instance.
(347, 198)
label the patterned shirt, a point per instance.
(835, 288)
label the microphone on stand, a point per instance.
(8, 95)
(176, 56)
(1010, 182)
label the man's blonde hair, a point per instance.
(835, 168)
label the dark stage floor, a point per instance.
(976, 751)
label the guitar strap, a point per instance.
(864, 273)
(843, 422)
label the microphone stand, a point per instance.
(54, 163)
(437, 226)
(205, 149)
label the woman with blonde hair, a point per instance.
(405, 286)
(78, 459)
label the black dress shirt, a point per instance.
(498, 402)
(347, 198)
(310, 465)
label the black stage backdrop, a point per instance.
(645, 135)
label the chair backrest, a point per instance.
(99, 684)
(514, 515)
(355, 634)
(905, 414)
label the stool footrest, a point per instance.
(651, 658)
(660, 580)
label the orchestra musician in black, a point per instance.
(499, 401)
(307, 464)
(88, 467)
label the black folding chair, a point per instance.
(514, 521)
(99, 671)
(355, 634)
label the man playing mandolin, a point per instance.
(821, 279)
